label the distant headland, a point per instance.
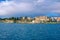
(37, 19)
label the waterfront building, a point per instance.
(23, 17)
(8, 21)
(54, 19)
(24, 20)
(41, 19)
(58, 19)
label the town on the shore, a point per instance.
(37, 19)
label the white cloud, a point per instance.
(47, 6)
(9, 7)
(55, 7)
(39, 1)
(24, 7)
(6, 7)
(39, 6)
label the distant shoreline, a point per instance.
(35, 23)
(29, 20)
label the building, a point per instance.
(54, 19)
(24, 20)
(9, 21)
(41, 19)
(58, 19)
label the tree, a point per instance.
(0, 19)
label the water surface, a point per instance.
(29, 31)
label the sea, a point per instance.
(14, 31)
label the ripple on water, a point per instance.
(29, 31)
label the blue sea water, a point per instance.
(29, 31)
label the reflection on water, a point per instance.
(29, 31)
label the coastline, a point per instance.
(34, 23)
(29, 20)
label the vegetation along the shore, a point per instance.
(38, 19)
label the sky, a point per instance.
(32, 8)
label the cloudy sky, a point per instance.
(16, 8)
